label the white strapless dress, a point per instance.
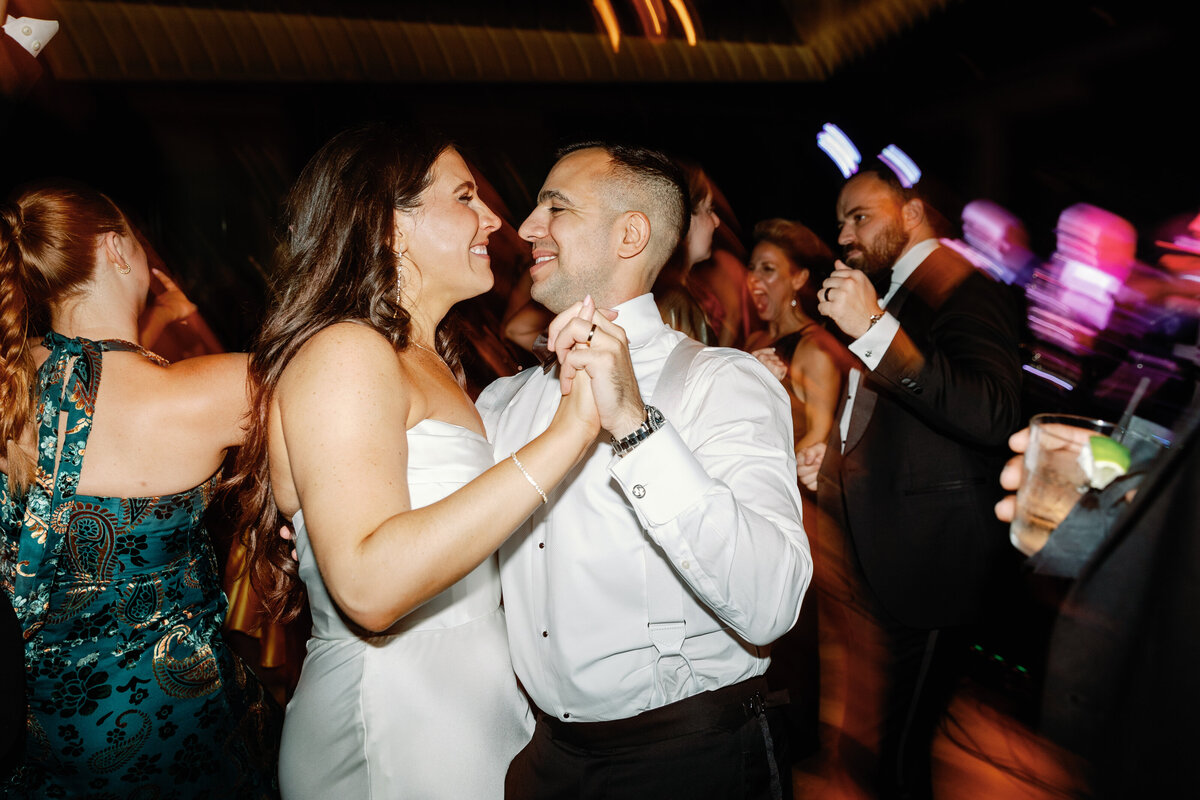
(427, 709)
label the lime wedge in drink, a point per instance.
(1103, 461)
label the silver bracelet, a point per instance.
(528, 477)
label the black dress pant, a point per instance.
(925, 666)
(717, 762)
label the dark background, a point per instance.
(1034, 105)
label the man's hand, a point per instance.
(848, 298)
(584, 338)
(1013, 475)
(808, 464)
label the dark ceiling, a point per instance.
(567, 40)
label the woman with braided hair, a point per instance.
(103, 555)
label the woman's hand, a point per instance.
(168, 306)
(579, 407)
(171, 301)
(771, 360)
(808, 464)
(585, 339)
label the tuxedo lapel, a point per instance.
(860, 415)
(865, 397)
(896, 304)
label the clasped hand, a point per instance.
(586, 341)
(772, 361)
(848, 298)
(808, 464)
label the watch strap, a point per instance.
(652, 422)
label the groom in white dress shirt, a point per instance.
(642, 598)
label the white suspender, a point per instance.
(664, 590)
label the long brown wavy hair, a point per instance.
(48, 239)
(335, 264)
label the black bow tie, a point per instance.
(542, 353)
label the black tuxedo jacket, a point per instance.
(1123, 679)
(915, 487)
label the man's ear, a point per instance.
(634, 227)
(912, 213)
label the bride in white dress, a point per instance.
(362, 436)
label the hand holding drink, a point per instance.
(1065, 456)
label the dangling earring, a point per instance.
(399, 278)
(124, 268)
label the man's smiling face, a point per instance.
(572, 230)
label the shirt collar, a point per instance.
(641, 319)
(907, 264)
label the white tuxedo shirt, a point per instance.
(714, 490)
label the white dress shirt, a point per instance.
(715, 491)
(872, 345)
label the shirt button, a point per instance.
(639, 491)
(566, 715)
(36, 46)
(26, 30)
(545, 634)
(541, 545)
(685, 564)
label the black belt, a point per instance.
(729, 708)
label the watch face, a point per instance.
(654, 417)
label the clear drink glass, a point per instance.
(1054, 480)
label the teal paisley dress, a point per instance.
(132, 690)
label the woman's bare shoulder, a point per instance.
(342, 350)
(347, 366)
(818, 348)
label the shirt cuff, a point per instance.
(32, 34)
(873, 345)
(661, 477)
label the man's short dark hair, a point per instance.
(654, 176)
(931, 196)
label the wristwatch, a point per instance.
(654, 420)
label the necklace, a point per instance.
(432, 352)
(150, 354)
(415, 343)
